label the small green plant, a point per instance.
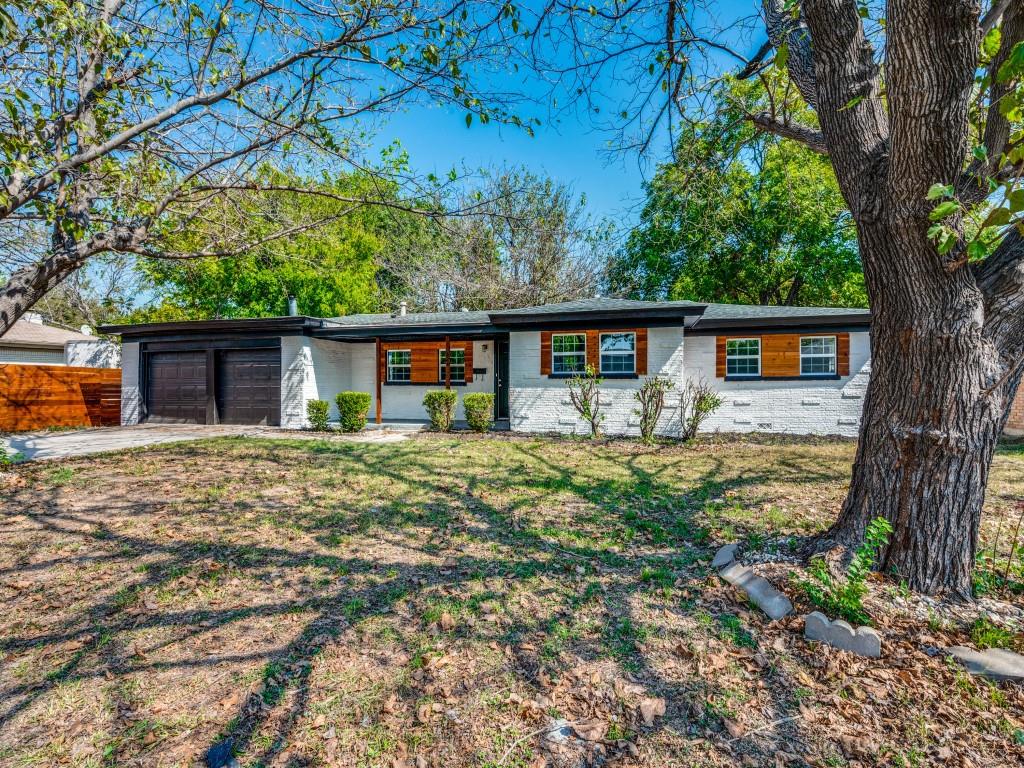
(316, 412)
(352, 410)
(698, 401)
(440, 405)
(845, 598)
(479, 408)
(987, 634)
(651, 397)
(585, 395)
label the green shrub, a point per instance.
(440, 405)
(352, 409)
(585, 396)
(316, 412)
(651, 397)
(479, 407)
(845, 599)
(698, 401)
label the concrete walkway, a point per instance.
(84, 442)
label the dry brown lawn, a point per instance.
(447, 600)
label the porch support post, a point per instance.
(376, 378)
(447, 362)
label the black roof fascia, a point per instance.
(299, 324)
(667, 316)
(781, 324)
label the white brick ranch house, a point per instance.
(779, 369)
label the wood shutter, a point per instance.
(426, 359)
(780, 353)
(593, 337)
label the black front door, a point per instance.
(501, 380)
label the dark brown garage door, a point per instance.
(176, 387)
(249, 386)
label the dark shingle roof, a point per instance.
(739, 313)
(28, 333)
(413, 318)
(596, 305)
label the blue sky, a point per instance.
(572, 150)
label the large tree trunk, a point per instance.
(937, 401)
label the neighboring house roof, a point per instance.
(28, 334)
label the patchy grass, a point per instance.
(343, 604)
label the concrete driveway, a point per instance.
(83, 442)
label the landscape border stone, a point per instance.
(759, 590)
(993, 663)
(864, 641)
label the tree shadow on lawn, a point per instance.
(521, 552)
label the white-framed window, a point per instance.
(568, 352)
(458, 365)
(743, 357)
(399, 365)
(618, 353)
(817, 355)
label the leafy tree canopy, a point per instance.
(741, 217)
(332, 269)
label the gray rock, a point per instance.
(863, 641)
(725, 556)
(994, 663)
(759, 590)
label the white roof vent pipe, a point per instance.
(293, 306)
(403, 307)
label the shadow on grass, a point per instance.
(627, 501)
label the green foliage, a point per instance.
(316, 412)
(479, 408)
(845, 598)
(739, 217)
(440, 405)
(651, 397)
(698, 401)
(352, 410)
(987, 634)
(332, 269)
(585, 395)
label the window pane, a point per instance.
(399, 365)
(569, 363)
(617, 363)
(818, 355)
(458, 365)
(571, 342)
(618, 342)
(743, 357)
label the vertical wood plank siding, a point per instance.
(594, 347)
(41, 396)
(425, 359)
(780, 353)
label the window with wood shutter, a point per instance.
(783, 356)
(605, 350)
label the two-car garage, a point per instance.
(212, 385)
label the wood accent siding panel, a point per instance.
(594, 347)
(41, 396)
(425, 359)
(843, 354)
(780, 353)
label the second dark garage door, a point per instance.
(248, 384)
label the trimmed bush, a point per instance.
(479, 407)
(316, 412)
(440, 405)
(352, 408)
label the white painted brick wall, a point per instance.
(318, 369)
(131, 396)
(540, 404)
(797, 407)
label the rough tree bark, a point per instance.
(947, 333)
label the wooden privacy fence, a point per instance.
(41, 396)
